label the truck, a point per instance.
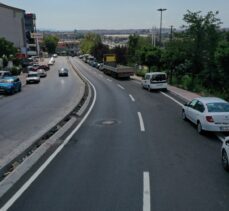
(110, 67)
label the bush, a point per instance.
(16, 70)
(186, 82)
(141, 73)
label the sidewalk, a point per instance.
(183, 94)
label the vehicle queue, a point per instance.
(10, 84)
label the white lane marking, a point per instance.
(142, 127)
(120, 86)
(172, 99)
(132, 98)
(146, 192)
(109, 80)
(49, 160)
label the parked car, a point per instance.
(51, 61)
(63, 72)
(26, 62)
(225, 154)
(10, 85)
(42, 73)
(5, 73)
(33, 77)
(155, 81)
(44, 66)
(208, 113)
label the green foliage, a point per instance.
(121, 54)
(7, 48)
(16, 70)
(141, 73)
(92, 44)
(50, 43)
(203, 30)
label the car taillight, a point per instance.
(209, 119)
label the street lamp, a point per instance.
(161, 10)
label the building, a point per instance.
(12, 26)
(30, 30)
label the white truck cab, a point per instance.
(155, 81)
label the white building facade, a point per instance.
(12, 26)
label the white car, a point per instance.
(42, 73)
(208, 113)
(155, 81)
(51, 61)
(33, 77)
(225, 154)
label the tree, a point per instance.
(7, 48)
(92, 44)
(222, 61)
(132, 48)
(150, 56)
(175, 55)
(121, 54)
(50, 43)
(203, 31)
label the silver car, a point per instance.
(208, 113)
(42, 73)
(33, 77)
(225, 154)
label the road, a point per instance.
(27, 115)
(133, 153)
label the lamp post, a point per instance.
(161, 10)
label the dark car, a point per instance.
(63, 72)
(10, 85)
(45, 67)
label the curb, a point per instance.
(179, 95)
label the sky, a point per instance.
(115, 14)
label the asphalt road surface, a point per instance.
(27, 115)
(133, 153)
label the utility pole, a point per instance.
(154, 36)
(161, 10)
(171, 33)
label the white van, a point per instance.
(155, 81)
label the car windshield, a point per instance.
(6, 80)
(218, 107)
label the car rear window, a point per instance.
(159, 77)
(218, 107)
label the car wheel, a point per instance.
(199, 128)
(19, 89)
(225, 163)
(184, 115)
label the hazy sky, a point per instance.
(115, 14)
